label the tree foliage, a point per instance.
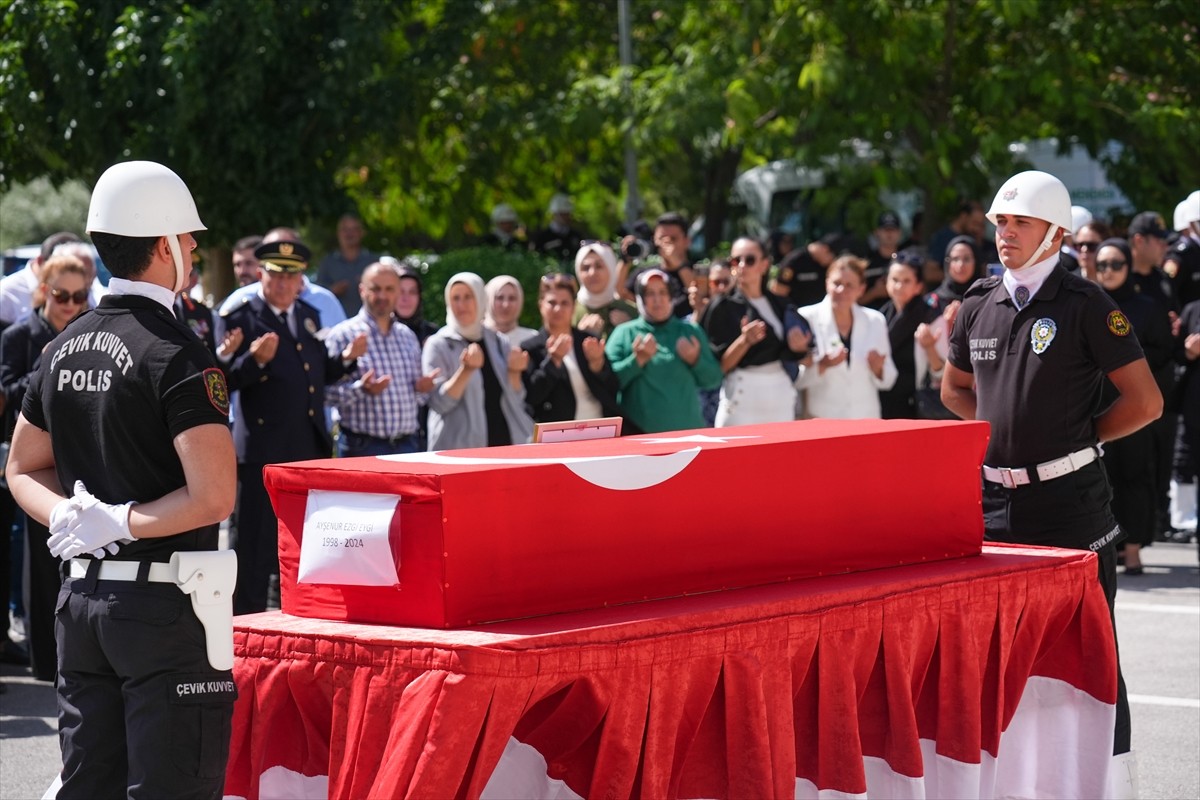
(425, 113)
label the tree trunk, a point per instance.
(718, 183)
(216, 274)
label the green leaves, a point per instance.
(425, 114)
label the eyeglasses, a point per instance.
(62, 296)
(720, 282)
(592, 242)
(1105, 266)
(1087, 247)
(748, 260)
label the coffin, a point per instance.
(484, 535)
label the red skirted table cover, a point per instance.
(984, 676)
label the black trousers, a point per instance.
(43, 579)
(1134, 485)
(1073, 512)
(1163, 433)
(257, 541)
(141, 713)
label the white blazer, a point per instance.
(846, 392)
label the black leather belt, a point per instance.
(389, 441)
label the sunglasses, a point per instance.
(62, 296)
(743, 261)
(591, 242)
(1105, 266)
(720, 281)
(1087, 247)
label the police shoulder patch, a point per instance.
(786, 274)
(218, 392)
(1118, 324)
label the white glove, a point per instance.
(59, 515)
(93, 527)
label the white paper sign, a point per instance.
(345, 539)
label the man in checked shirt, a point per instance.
(379, 400)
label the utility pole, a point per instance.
(633, 200)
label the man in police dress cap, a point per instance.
(281, 370)
(1029, 353)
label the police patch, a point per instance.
(1118, 324)
(786, 274)
(1042, 334)
(218, 392)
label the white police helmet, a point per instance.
(1080, 216)
(503, 212)
(1188, 211)
(1034, 194)
(143, 199)
(561, 204)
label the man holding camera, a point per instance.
(671, 242)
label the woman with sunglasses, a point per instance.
(62, 295)
(568, 377)
(1087, 244)
(1127, 460)
(751, 336)
(598, 309)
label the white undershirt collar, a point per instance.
(1031, 278)
(160, 294)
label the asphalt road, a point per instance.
(1158, 625)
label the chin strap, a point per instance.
(1045, 245)
(177, 255)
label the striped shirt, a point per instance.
(393, 412)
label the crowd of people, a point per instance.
(347, 363)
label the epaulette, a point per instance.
(236, 306)
(982, 286)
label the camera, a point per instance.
(635, 249)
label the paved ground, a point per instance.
(1158, 622)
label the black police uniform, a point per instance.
(1038, 375)
(139, 704)
(1186, 255)
(199, 318)
(283, 405)
(803, 277)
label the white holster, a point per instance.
(208, 577)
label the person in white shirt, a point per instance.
(853, 357)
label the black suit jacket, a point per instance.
(282, 401)
(548, 390)
(199, 318)
(21, 347)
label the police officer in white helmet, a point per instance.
(1029, 353)
(123, 449)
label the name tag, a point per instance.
(345, 539)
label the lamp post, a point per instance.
(633, 200)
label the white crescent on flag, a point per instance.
(619, 473)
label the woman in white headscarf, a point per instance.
(505, 299)
(478, 398)
(598, 309)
